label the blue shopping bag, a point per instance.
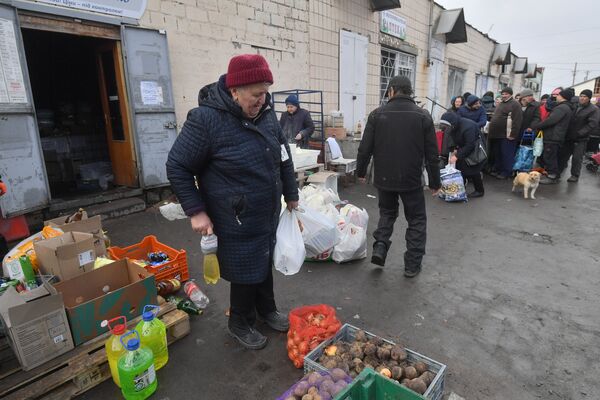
(524, 157)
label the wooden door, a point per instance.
(115, 110)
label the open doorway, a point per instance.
(81, 105)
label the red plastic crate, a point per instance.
(176, 268)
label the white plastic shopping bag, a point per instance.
(289, 251)
(353, 245)
(318, 231)
(355, 215)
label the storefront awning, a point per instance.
(382, 5)
(501, 55)
(520, 65)
(451, 24)
(531, 71)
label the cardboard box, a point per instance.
(325, 180)
(66, 256)
(91, 225)
(338, 133)
(120, 288)
(36, 325)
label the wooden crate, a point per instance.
(77, 371)
(303, 173)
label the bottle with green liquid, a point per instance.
(136, 369)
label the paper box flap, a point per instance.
(88, 225)
(11, 302)
(320, 177)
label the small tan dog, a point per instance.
(529, 180)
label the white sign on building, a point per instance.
(118, 8)
(392, 24)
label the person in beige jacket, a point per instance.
(502, 136)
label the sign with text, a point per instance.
(392, 24)
(118, 8)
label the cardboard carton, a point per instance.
(36, 324)
(338, 133)
(66, 256)
(120, 288)
(91, 225)
(325, 180)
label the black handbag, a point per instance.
(478, 155)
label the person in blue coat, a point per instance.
(464, 135)
(474, 111)
(296, 122)
(229, 167)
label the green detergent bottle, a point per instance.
(153, 334)
(136, 369)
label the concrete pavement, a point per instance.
(508, 300)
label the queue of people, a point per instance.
(566, 122)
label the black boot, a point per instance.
(276, 321)
(474, 194)
(248, 337)
(379, 253)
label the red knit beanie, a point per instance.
(247, 69)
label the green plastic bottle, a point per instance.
(153, 334)
(136, 369)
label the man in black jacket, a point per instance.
(531, 111)
(296, 123)
(400, 136)
(585, 122)
(555, 129)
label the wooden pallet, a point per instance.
(80, 369)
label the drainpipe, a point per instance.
(431, 5)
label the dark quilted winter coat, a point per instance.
(241, 177)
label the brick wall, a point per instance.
(204, 34)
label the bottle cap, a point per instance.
(118, 329)
(150, 312)
(133, 344)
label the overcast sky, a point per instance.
(552, 33)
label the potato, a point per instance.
(307, 397)
(370, 349)
(356, 351)
(386, 372)
(325, 395)
(353, 374)
(330, 364)
(397, 373)
(326, 385)
(383, 354)
(417, 385)
(420, 366)
(301, 389)
(313, 390)
(377, 341)
(427, 377)
(314, 379)
(410, 372)
(360, 336)
(405, 381)
(398, 354)
(338, 374)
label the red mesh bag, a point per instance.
(309, 327)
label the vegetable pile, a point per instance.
(309, 327)
(389, 360)
(318, 386)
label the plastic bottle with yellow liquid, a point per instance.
(113, 346)
(153, 334)
(209, 245)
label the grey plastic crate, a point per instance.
(347, 333)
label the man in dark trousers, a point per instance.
(400, 137)
(555, 129)
(296, 122)
(503, 141)
(585, 122)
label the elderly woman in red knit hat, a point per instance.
(233, 146)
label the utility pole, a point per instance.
(574, 73)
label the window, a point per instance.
(456, 79)
(395, 63)
(597, 86)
